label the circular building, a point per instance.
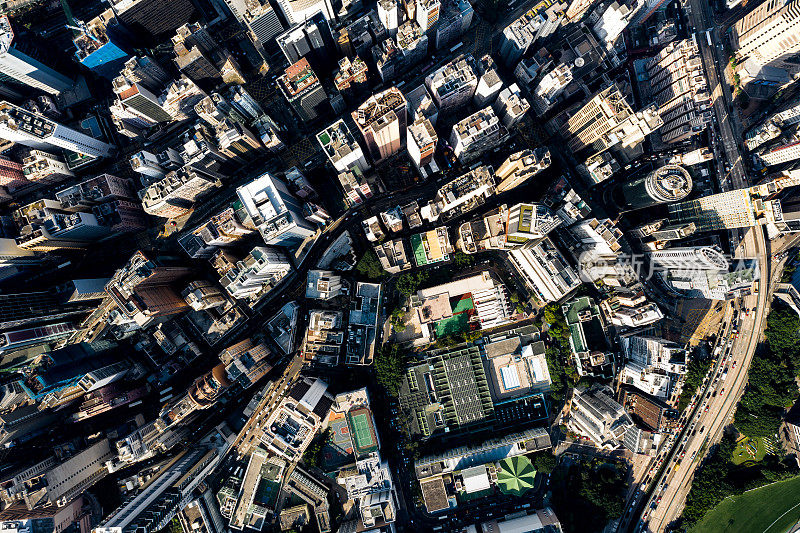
(516, 475)
(666, 184)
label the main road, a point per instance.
(718, 397)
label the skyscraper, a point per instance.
(142, 289)
(427, 14)
(769, 35)
(341, 148)
(453, 85)
(34, 130)
(297, 11)
(670, 183)
(538, 22)
(17, 66)
(520, 167)
(476, 134)
(608, 120)
(311, 39)
(263, 23)
(152, 508)
(302, 89)
(11, 175)
(276, 212)
(46, 168)
(678, 85)
(382, 121)
(421, 142)
(153, 19)
(689, 258)
(103, 45)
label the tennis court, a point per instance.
(362, 432)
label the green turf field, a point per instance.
(464, 304)
(771, 509)
(452, 325)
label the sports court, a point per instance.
(363, 433)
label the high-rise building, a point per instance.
(34, 130)
(520, 167)
(613, 21)
(152, 508)
(739, 208)
(103, 45)
(390, 15)
(427, 14)
(465, 193)
(769, 36)
(245, 362)
(454, 20)
(148, 164)
(302, 90)
(356, 189)
(412, 43)
(20, 67)
(45, 226)
(276, 212)
(678, 85)
(257, 273)
(689, 258)
(311, 39)
(45, 168)
(421, 142)
(298, 11)
(782, 153)
(152, 20)
(607, 120)
(263, 23)
(421, 105)
(388, 59)
(238, 141)
(291, 427)
(12, 175)
(202, 295)
(137, 100)
(489, 82)
(341, 148)
(382, 121)
(351, 79)
(538, 22)
(142, 289)
(174, 195)
(476, 134)
(195, 54)
(453, 85)
(670, 183)
(595, 414)
(507, 228)
(511, 106)
(647, 10)
(550, 87)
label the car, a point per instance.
(702, 429)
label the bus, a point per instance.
(708, 37)
(456, 47)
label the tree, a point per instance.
(390, 365)
(463, 260)
(545, 462)
(370, 267)
(695, 372)
(313, 454)
(397, 319)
